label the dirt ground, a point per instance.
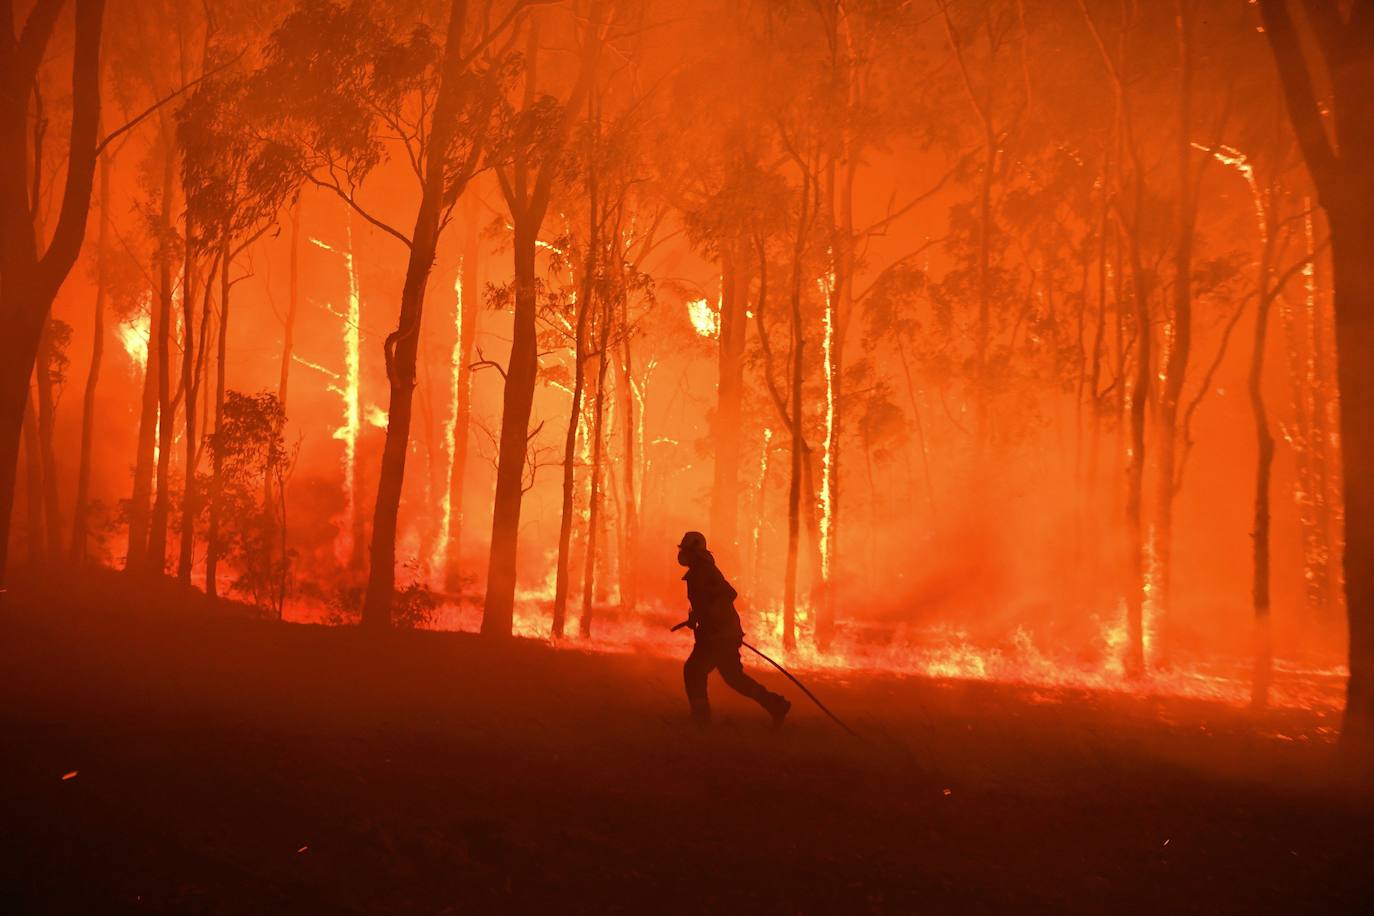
(184, 759)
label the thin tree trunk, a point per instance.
(1264, 461)
(598, 443)
(212, 536)
(81, 506)
(563, 574)
(629, 511)
(726, 438)
(157, 531)
(189, 508)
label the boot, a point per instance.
(778, 709)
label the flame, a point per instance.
(351, 394)
(827, 288)
(439, 557)
(705, 318)
(136, 331)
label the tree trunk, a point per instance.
(189, 508)
(157, 531)
(1264, 461)
(402, 345)
(1176, 366)
(1137, 584)
(594, 505)
(499, 611)
(724, 534)
(33, 491)
(212, 540)
(81, 506)
(1352, 238)
(33, 278)
(563, 572)
(629, 511)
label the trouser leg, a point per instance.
(732, 672)
(694, 672)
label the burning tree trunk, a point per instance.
(1344, 177)
(32, 275)
(468, 302)
(81, 505)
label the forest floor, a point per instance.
(176, 758)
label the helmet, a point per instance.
(693, 540)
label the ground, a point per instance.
(182, 758)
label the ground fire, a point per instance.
(1007, 363)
